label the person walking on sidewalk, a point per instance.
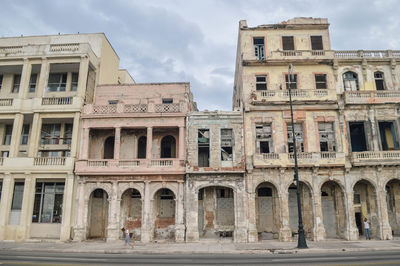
(366, 228)
(127, 237)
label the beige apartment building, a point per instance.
(44, 82)
(346, 114)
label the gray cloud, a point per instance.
(195, 41)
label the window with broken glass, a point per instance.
(203, 145)
(350, 81)
(226, 144)
(259, 48)
(293, 81)
(320, 81)
(50, 134)
(379, 81)
(264, 138)
(298, 132)
(261, 83)
(47, 207)
(326, 137)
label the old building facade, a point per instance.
(44, 81)
(346, 115)
(131, 169)
(215, 195)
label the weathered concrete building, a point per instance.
(44, 82)
(215, 198)
(346, 112)
(132, 162)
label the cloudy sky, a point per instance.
(195, 41)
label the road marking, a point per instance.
(309, 259)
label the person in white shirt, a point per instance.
(366, 228)
(127, 237)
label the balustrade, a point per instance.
(49, 161)
(57, 100)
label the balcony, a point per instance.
(370, 54)
(133, 166)
(304, 159)
(37, 164)
(126, 109)
(371, 97)
(298, 96)
(375, 158)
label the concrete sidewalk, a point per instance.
(214, 247)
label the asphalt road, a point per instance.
(345, 258)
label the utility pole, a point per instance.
(301, 243)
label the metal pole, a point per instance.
(301, 243)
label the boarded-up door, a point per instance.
(98, 215)
(265, 214)
(329, 216)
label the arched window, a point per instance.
(109, 148)
(168, 147)
(264, 192)
(142, 143)
(350, 81)
(379, 81)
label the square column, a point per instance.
(113, 225)
(149, 143)
(25, 78)
(181, 143)
(83, 75)
(16, 134)
(75, 132)
(319, 233)
(43, 78)
(34, 135)
(352, 231)
(67, 208)
(179, 225)
(84, 153)
(5, 203)
(117, 143)
(146, 215)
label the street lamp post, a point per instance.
(301, 243)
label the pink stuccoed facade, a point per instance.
(132, 162)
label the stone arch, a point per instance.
(365, 179)
(366, 205)
(90, 187)
(157, 186)
(333, 209)
(168, 147)
(259, 182)
(98, 213)
(392, 188)
(307, 203)
(134, 185)
(267, 210)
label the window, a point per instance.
(357, 136)
(1, 187)
(264, 138)
(203, 144)
(357, 199)
(112, 101)
(49, 153)
(47, 207)
(264, 192)
(16, 205)
(25, 135)
(350, 81)
(50, 134)
(32, 82)
(388, 137)
(226, 144)
(316, 43)
(7, 135)
(326, 137)
(16, 83)
(142, 146)
(223, 192)
(293, 81)
(287, 43)
(109, 148)
(168, 147)
(259, 48)
(320, 81)
(167, 100)
(261, 83)
(67, 134)
(74, 81)
(379, 81)
(298, 133)
(57, 82)
(1, 81)
(5, 154)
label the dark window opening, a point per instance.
(168, 147)
(98, 193)
(298, 132)
(293, 81)
(320, 81)
(264, 192)
(109, 148)
(379, 81)
(326, 137)
(261, 83)
(388, 137)
(112, 101)
(264, 138)
(324, 194)
(224, 192)
(203, 144)
(166, 194)
(350, 81)
(357, 136)
(201, 194)
(142, 146)
(167, 100)
(287, 43)
(1, 81)
(316, 43)
(135, 194)
(226, 144)
(259, 48)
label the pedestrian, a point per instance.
(366, 228)
(127, 237)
